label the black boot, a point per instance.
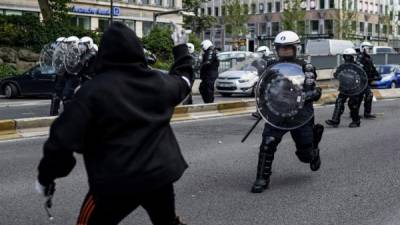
(369, 116)
(332, 123)
(263, 173)
(354, 124)
(337, 112)
(315, 163)
(178, 221)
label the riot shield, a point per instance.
(280, 97)
(46, 57)
(58, 58)
(72, 59)
(351, 79)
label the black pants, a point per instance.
(302, 136)
(354, 106)
(57, 95)
(112, 209)
(368, 97)
(207, 89)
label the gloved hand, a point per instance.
(309, 75)
(179, 35)
(47, 190)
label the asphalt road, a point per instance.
(38, 107)
(358, 183)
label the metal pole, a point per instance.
(111, 10)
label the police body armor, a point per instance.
(281, 97)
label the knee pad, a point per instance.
(305, 153)
(269, 145)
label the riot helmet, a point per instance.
(348, 55)
(190, 48)
(206, 44)
(287, 44)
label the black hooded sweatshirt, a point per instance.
(120, 121)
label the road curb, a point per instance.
(11, 129)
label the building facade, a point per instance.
(373, 20)
(95, 14)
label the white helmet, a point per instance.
(87, 40)
(72, 39)
(365, 45)
(286, 38)
(95, 47)
(190, 47)
(264, 49)
(349, 51)
(60, 39)
(206, 44)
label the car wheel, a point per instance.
(226, 94)
(393, 85)
(10, 91)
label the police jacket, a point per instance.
(88, 65)
(120, 121)
(210, 64)
(366, 61)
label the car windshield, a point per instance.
(385, 69)
(246, 65)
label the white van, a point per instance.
(383, 50)
(327, 46)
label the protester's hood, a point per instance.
(119, 48)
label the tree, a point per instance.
(159, 42)
(198, 23)
(54, 10)
(235, 19)
(293, 16)
(344, 18)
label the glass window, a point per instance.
(275, 28)
(362, 27)
(83, 22)
(202, 11)
(354, 26)
(322, 4)
(130, 24)
(277, 6)
(171, 3)
(146, 2)
(377, 28)
(103, 23)
(328, 26)
(216, 10)
(209, 11)
(384, 30)
(370, 29)
(246, 9)
(158, 2)
(269, 7)
(398, 30)
(146, 27)
(331, 4)
(253, 9)
(223, 10)
(13, 12)
(263, 28)
(261, 7)
(314, 26)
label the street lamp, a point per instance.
(182, 12)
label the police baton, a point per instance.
(251, 129)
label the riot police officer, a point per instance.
(196, 68)
(88, 59)
(208, 71)
(354, 101)
(308, 135)
(265, 52)
(365, 59)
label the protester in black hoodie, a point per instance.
(120, 122)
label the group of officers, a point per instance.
(129, 105)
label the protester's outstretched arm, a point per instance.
(66, 137)
(182, 70)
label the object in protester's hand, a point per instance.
(179, 35)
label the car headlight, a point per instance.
(243, 80)
(385, 78)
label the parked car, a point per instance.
(33, 82)
(390, 76)
(229, 59)
(241, 79)
(324, 47)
